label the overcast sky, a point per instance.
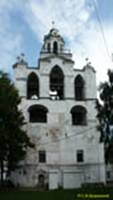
(23, 24)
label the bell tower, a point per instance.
(54, 45)
(58, 102)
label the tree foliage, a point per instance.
(105, 116)
(13, 139)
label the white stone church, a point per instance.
(58, 102)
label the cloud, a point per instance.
(69, 16)
(75, 20)
(78, 26)
(10, 43)
(92, 45)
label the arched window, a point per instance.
(41, 180)
(48, 47)
(57, 82)
(32, 86)
(78, 115)
(38, 113)
(79, 88)
(55, 47)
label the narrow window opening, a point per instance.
(80, 156)
(108, 174)
(48, 48)
(79, 88)
(55, 47)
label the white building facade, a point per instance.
(58, 102)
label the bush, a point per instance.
(93, 185)
(7, 184)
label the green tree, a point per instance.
(14, 141)
(105, 116)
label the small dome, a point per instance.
(53, 33)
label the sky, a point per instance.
(85, 25)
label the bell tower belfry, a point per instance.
(53, 42)
(54, 46)
(55, 63)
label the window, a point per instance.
(38, 113)
(57, 82)
(79, 88)
(80, 156)
(48, 47)
(78, 115)
(108, 174)
(55, 47)
(24, 172)
(42, 156)
(32, 86)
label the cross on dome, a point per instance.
(53, 24)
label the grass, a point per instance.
(56, 194)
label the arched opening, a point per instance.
(79, 115)
(57, 82)
(55, 47)
(48, 47)
(32, 86)
(79, 88)
(38, 114)
(41, 180)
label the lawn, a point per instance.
(58, 194)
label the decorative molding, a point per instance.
(21, 79)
